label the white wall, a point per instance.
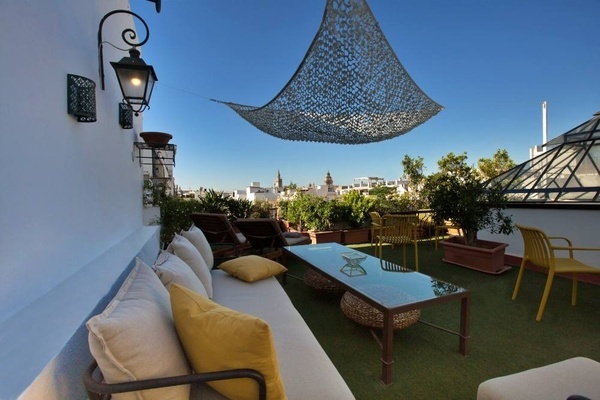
(579, 225)
(71, 197)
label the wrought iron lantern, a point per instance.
(136, 78)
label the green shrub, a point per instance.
(261, 209)
(239, 208)
(175, 216)
(359, 207)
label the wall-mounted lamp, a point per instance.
(136, 78)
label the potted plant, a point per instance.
(356, 213)
(317, 215)
(457, 194)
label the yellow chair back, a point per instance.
(537, 247)
(398, 229)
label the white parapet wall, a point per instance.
(580, 225)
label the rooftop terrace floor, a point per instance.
(505, 338)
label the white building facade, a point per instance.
(71, 210)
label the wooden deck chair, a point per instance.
(540, 251)
(220, 233)
(399, 229)
(266, 236)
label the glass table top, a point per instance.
(382, 281)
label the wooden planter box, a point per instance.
(356, 236)
(326, 237)
(487, 257)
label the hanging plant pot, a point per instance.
(156, 138)
(486, 257)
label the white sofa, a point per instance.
(305, 369)
(578, 376)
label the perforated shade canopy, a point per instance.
(350, 87)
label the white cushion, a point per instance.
(574, 376)
(197, 238)
(307, 371)
(134, 331)
(292, 241)
(172, 269)
(185, 250)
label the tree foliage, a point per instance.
(490, 167)
(456, 193)
(414, 172)
(358, 208)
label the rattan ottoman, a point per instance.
(365, 314)
(317, 281)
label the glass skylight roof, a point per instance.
(568, 171)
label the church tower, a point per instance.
(328, 179)
(278, 182)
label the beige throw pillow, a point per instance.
(134, 338)
(197, 238)
(172, 269)
(185, 250)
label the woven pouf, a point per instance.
(318, 282)
(365, 314)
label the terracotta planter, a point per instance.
(356, 236)
(156, 138)
(326, 237)
(488, 257)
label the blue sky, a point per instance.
(489, 63)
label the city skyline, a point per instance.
(491, 65)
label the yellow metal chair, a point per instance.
(399, 229)
(375, 225)
(539, 250)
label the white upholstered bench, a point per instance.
(575, 376)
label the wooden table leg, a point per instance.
(465, 316)
(387, 349)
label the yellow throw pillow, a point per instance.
(252, 268)
(217, 338)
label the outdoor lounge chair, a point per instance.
(539, 250)
(266, 236)
(220, 233)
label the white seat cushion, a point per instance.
(575, 376)
(307, 371)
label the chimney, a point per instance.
(544, 124)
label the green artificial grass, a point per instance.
(505, 338)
